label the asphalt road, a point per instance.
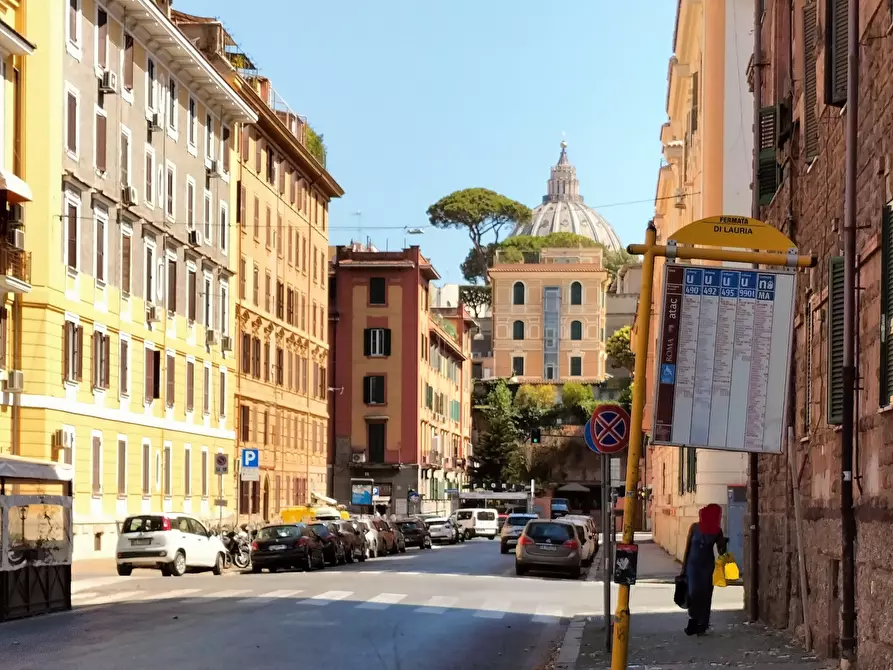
(454, 607)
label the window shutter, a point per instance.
(886, 364)
(836, 39)
(66, 348)
(171, 380)
(79, 354)
(367, 342)
(72, 121)
(123, 372)
(125, 263)
(367, 390)
(387, 341)
(156, 374)
(190, 385)
(122, 468)
(243, 204)
(222, 390)
(810, 87)
(149, 378)
(106, 361)
(97, 457)
(101, 141)
(694, 102)
(768, 175)
(835, 340)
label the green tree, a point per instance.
(614, 260)
(551, 241)
(474, 267)
(618, 348)
(577, 398)
(482, 213)
(497, 448)
(315, 145)
(476, 298)
(625, 397)
(537, 398)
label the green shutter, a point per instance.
(835, 340)
(681, 470)
(769, 173)
(810, 87)
(691, 466)
(836, 40)
(886, 362)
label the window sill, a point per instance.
(70, 384)
(124, 396)
(127, 95)
(885, 409)
(122, 496)
(72, 272)
(96, 496)
(173, 133)
(74, 50)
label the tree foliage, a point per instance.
(497, 448)
(625, 397)
(618, 348)
(474, 267)
(550, 241)
(315, 145)
(476, 298)
(482, 213)
(577, 397)
(614, 260)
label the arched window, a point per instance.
(576, 293)
(576, 330)
(518, 293)
(518, 330)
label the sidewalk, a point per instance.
(657, 640)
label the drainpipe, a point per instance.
(753, 498)
(847, 512)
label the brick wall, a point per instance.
(809, 208)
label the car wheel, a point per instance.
(308, 564)
(255, 569)
(218, 565)
(178, 565)
(575, 573)
(467, 534)
(503, 548)
(165, 570)
(125, 570)
(348, 555)
(363, 555)
(402, 548)
(520, 570)
(427, 544)
(492, 537)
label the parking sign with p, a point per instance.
(250, 458)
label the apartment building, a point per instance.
(401, 402)
(129, 364)
(283, 195)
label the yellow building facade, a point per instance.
(706, 172)
(126, 344)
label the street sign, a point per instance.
(220, 502)
(587, 437)
(609, 429)
(732, 231)
(250, 458)
(221, 464)
(249, 474)
(723, 358)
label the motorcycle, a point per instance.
(238, 550)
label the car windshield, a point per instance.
(408, 525)
(550, 532)
(143, 524)
(436, 524)
(463, 516)
(519, 519)
(487, 515)
(279, 532)
(320, 529)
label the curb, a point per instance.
(569, 650)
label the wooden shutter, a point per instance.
(172, 285)
(810, 84)
(79, 353)
(102, 20)
(101, 142)
(187, 472)
(222, 390)
(123, 371)
(67, 333)
(886, 363)
(836, 41)
(835, 340)
(72, 123)
(244, 490)
(226, 141)
(149, 377)
(191, 296)
(367, 390)
(126, 246)
(387, 341)
(122, 468)
(171, 370)
(242, 205)
(367, 342)
(206, 391)
(72, 237)
(190, 385)
(695, 93)
(106, 361)
(769, 170)
(128, 61)
(204, 474)
(96, 474)
(246, 138)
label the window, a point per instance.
(280, 366)
(205, 473)
(100, 266)
(128, 62)
(836, 52)
(374, 390)
(207, 217)
(244, 423)
(122, 468)
(73, 352)
(96, 463)
(266, 361)
(835, 340)
(168, 470)
(375, 439)
(149, 263)
(246, 353)
(241, 205)
(769, 171)
(146, 466)
(243, 279)
(192, 123)
(169, 191)
(124, 368)
(576, 366)
(187, 471)
(72, 125)
(576, 293)
(171, 370)
(316, 269)
(209, 138)
(149, 194)
(245, 139)
(576, 330)
(190, 203)
(222, 390)
(271, 165)
(886, 362)
(256, 218)
(257, 154)
(518, 293)
(268, 231)
(224, 225)
(518, 366)
(377, 290)
(102, 38)
(152, 380)
(223, 318)
(518, 330)
(209, 321)
(206, 390)
(256, 286)
(73, 225)
(171, 284)
(100, 159)
(190, 385)
(290, 306)
(151, 84)
(101, 349)
(268, 292)
(225, 137)
(73, 28)
(280, 300)
(172, 123)
(125, 159)
(377, 342)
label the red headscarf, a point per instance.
(710, 519)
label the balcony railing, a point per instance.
(445, 326)
(15, 263)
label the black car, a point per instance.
(286, 546)
(354, 541)
(415, 533)
(333, 544)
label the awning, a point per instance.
(573, 488)
(17, 190)
(16, 467)
(325, 499)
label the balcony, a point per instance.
(15, 269)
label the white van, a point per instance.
(478, 522)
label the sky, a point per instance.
(416, 99)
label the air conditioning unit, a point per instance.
(63, 442)
(153, 314)
(435, 457)
(108, 83)
(129, 196)
(435, 444)
(195, 237)
(14, 215)
(358, 458)
(16, 238)
(154, 122)
(15, 381)
(210, 337)
(226, 343)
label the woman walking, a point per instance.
(704, 538)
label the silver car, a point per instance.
(549, 545)
(512, 529)
(442, 530)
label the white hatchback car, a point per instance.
(172, 543)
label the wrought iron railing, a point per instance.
(15, 263)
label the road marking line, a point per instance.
(84, 584)
(225, 594)
(382, 601)
(323, 599)
(437, 605)
(104, 599)
(177, 593)
(492, 609)
(546, 614)
(269, 597)
(372, 572)
(87, 595)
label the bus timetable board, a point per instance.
(723, 358)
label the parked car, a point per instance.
(478, 522)
(590, 536)
(389, 537)
(549, 545)
(399, 537)
(370, 532)
(293, 545)
(333, 545)
(172, 543)
(415, 532)
(354, 540)
(512, 529)
(443, 530)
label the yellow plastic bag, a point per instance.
(719, 576)
(730, 569)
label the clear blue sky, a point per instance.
(417, 99)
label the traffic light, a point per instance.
(535, 435)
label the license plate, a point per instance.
(546, 547)
(278, 547)
(141, 542)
